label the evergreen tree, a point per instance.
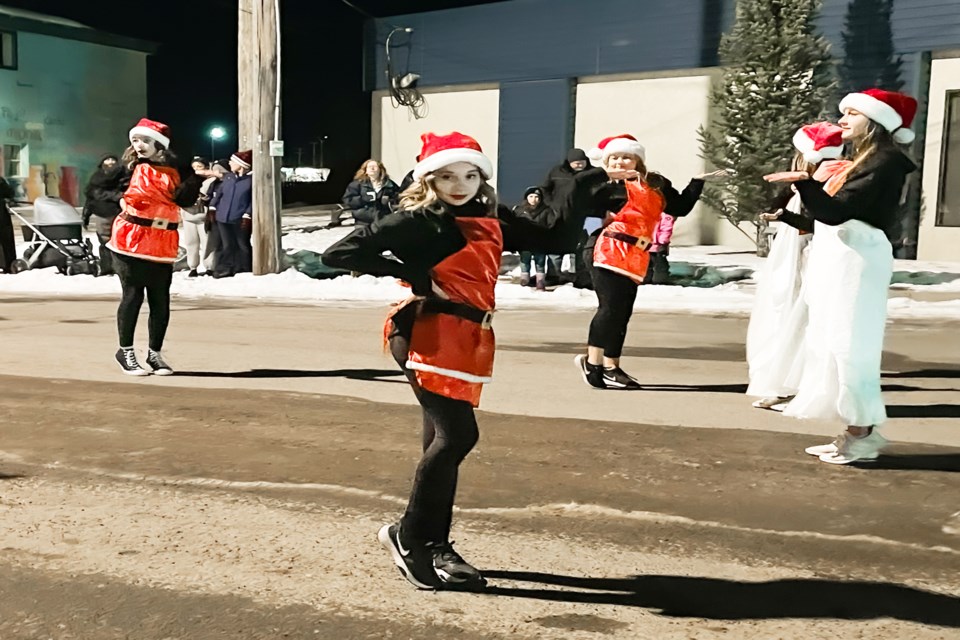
(869, 59)
(776, 77)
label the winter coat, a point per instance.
(8, 246)
(662, 233)
(365, 203)
(146, 227)
(459, 248)
(104, 191)
(234, 199)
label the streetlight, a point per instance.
(321, 140)
(216, 133)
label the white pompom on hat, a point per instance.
(623, 143)
(891, 110)
(153, 130)
(440, 151)
(819, 141)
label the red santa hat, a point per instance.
(891, 110)
(623, 143)
(819, 141)
(153, 130)
(440, 151)
(243, 158)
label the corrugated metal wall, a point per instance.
(536, 129)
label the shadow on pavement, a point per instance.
(11, 476)
(925, 373)
(923, 411)
(692, 597)
(374, 375)
(918, 462)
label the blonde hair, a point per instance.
(362, 171)
(422, 194)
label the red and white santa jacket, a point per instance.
(451, 259)
(146, 227)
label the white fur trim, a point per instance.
(804, 145)
(623, 272)
(153, 134)
(595, 156)
(624, 145)
(245, 165)
(877, 110)
(904, 135)
(450, 373)
(446, 157)
(140, 255)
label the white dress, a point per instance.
(845, 288)
(778, 321)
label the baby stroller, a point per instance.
(56, 240)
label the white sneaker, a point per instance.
(771, 402)
(851, 449)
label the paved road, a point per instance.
(241, 500)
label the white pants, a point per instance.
(193, 238)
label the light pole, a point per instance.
(216, 133)
(322, 140)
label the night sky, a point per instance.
(192, 79)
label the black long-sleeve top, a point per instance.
(871, 193)
(420, 239)
(612, 196)
(802, 221)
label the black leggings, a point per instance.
(140, 278)
(449, 433)
(616, 294)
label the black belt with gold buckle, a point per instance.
(155, 223)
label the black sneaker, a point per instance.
(617, 378)
(127, 359)
(592, 373)
(193, 273)
(454, 572)
(156, 362)
(415, 563)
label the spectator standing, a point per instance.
(233, 204)
(103, 194)
(369, 196)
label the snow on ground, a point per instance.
(718, 280)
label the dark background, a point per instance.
(192, 80)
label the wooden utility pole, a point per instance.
(257, 78)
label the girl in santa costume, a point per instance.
(446, 242)
(144, 240)
(849, 271)
(620, 255)
(779, 318)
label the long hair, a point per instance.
(422, 194)
(800, 164)
(875, 139)
(164, 156)
(361, 173)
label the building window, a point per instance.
(8, 50)
(948, 204)
(13, 161)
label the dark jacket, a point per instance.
(104, 191)
(540, 214)
(234, 198)
(8, 246)
(871, 193)
(407, 181)
(366, 204)
(802, 221)
(612, 196)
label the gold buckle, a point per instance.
(159, 223)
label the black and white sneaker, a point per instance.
(454, 572)
(415, 563)
(127, 359)
(156, 362)
(592, 373)
(617, 378)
